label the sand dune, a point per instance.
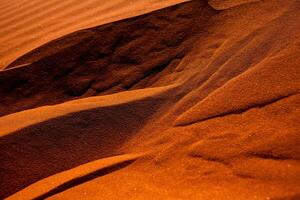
(209, 90)
(25, 25)
(114, 51)
(19, 120)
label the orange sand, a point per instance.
(200, 100)
(25, 25)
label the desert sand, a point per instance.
(26, 25)
(168, 100)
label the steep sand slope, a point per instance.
(25, 24)
(221, 121)
(105, 59)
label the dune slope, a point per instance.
(25, 25)
(102, 60)
(196, 101)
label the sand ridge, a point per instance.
(17, 121)
(42, 189)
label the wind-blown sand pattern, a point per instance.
(199, 100)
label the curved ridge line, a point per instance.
(16, 121)
(238, 111)
(65, 180)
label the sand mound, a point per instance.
(212, 97)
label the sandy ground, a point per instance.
(200, 100)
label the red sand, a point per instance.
(196, 101)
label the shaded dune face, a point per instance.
(211, 99)
(26, 25)
(102, 60)
(62, 143)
